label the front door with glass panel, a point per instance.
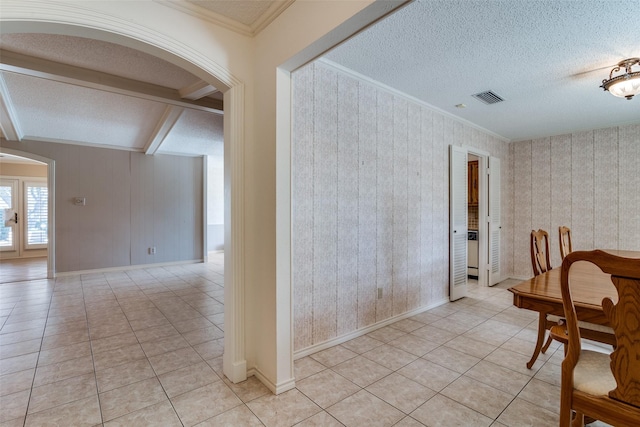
(9, 216)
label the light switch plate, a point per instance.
(80, 201)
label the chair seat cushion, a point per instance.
(592, 373)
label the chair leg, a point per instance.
(542, 329)
(546, 345)
(578, 420)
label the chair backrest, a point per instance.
(624, 318)
(564, 234)
(540, 252)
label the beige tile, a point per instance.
(470, 346)
(390, 357)
(401, 392)
(19, 336)
(18, 363)
(164, 345)
(173, 360)
(30, 325)
(361, 371)
(440, 411)
(199, 336)
(85, 412)
(429, 374)
(386, 334)
(61, 392)
(14, 405)
(120, 401)
(187, 379)
(155, 332)
(61, 354)
(452, 359)
(210, 349)
(113, 342)
(125, 374)
(514, 361)
(16, 381)
(19, 348)
(321, 419)
(285, 409)
(65, 339)
(107, 330)
(433, 334)
(409, 422)
(63, 370)
(333, 356)
(249, 389)
(426, 317)
(192, 324)
(118, 356)
(521, 413)
(550, 373)
(363, 408)
(137, 325)
(542, 394)
(16, 422)
(478, 396)
(160, 414)
(205, 402)
(327, 388)
(307, 366)
(414, 345)
(238, 416)
(407, 325)
(362, 344)
(498, 377)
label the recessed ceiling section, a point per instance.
(92, 54)
(58, 112)
(195, 131)
(244, 11)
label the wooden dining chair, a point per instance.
(541, 264)
(598, 385)
(564, 235)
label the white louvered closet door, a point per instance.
(458, 223)
(494, 221)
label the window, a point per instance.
(36, 200)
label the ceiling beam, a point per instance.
(198, 90)
(8, 118)
(164, 126)
(63, 73)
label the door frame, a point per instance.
(51, 177)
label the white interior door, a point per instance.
(458, 223)
(9, 216)
(495, 227)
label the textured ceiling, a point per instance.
(244, 11)
(546, 59)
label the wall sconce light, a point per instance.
(624, 85)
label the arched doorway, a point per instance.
(74, 21)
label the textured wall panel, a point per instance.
(370, 190)
(582, 175)
(560, 188)
(522, 208)
(400, 273)
(541, 186)
(414, 188)
(629, 181)
(302, 207)
(384, 207)
(325, 179)
(605, 212)
(367, 202)
(347, 260)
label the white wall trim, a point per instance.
(275, 388)
(398, 93)
(358, 333)
(127, 268)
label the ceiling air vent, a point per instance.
(488, 97)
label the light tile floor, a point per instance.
(144, 347)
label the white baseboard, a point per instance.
(125, 268)
(355, 334)
(275, 388)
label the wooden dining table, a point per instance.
(589, 286)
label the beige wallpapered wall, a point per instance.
(588, 181)
(370, 203)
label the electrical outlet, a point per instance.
(379, 293)
(152, 250)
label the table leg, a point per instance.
(542, 329)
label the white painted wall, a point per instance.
(370, 201)
(587, 181)
(133, 202)
(215, 204)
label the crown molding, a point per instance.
(276, 8)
